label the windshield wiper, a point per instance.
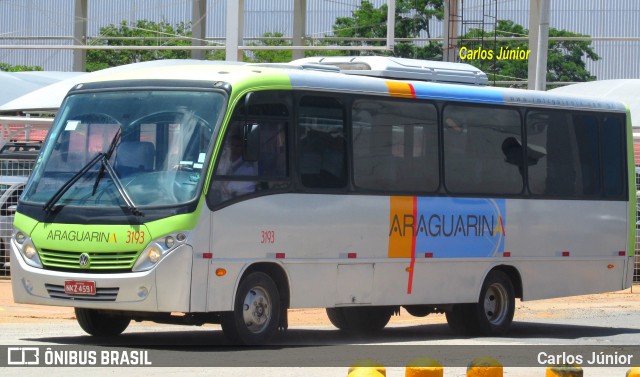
(112, 148)
(106, 166)
(48, 206)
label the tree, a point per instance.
(6, 67)
(143, 33)
(564, 58)
(272, 56)
(413, 18)
(282, 56)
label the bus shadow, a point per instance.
(213, 339)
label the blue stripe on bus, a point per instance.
(458, 93)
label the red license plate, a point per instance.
(77, 287)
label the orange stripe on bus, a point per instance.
(401, 89)
(401, 239)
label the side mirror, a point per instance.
(251, 142)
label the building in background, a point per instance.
(613, 25)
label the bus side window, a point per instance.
(482, 153)
(613, 139)
(395, 145)
(236, 177)
(571, 164)
(322, 143)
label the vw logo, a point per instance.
(84, 260)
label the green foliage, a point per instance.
(18, 68)
(412, 18)
(564, 58)
(282, 56)
(272, 56)
(365, 22)
(146, 33)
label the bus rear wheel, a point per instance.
(360, 319)
(99, 323)
(256, 313)
(336, 317)
(492, 314)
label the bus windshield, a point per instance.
(127, 148)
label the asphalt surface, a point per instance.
(607, 324)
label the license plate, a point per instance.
(77, 287)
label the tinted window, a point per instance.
(241, 172)
(563, 154)
(395, 145)
(482, 150)
(613, 156)
(322, 146)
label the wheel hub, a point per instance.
(257, 310)
(495, 304)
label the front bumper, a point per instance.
(164, 288)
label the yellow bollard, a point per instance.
(633, 372)
(484, 367)
(424, 367)
(364, 372)
(564, 371)
(367, 368)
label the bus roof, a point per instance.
(245, 76)
(402, 69)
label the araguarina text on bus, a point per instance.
(80, 236)
(440, 225)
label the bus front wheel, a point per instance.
(256, 313)
(99, 323)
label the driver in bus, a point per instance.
(232, 164)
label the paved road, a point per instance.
(322, 351)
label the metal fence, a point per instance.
(20, 142)
(10, 190)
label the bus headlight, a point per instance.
(27, 249)
(157, 250)
(154, 254)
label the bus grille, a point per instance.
(102, 294)
(104, 261)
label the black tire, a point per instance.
(362, 320)
(494, 312)
(98, 323)
(418, 310)
(336, 317)
(492, 315)
(256, 325)
(458, 317)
